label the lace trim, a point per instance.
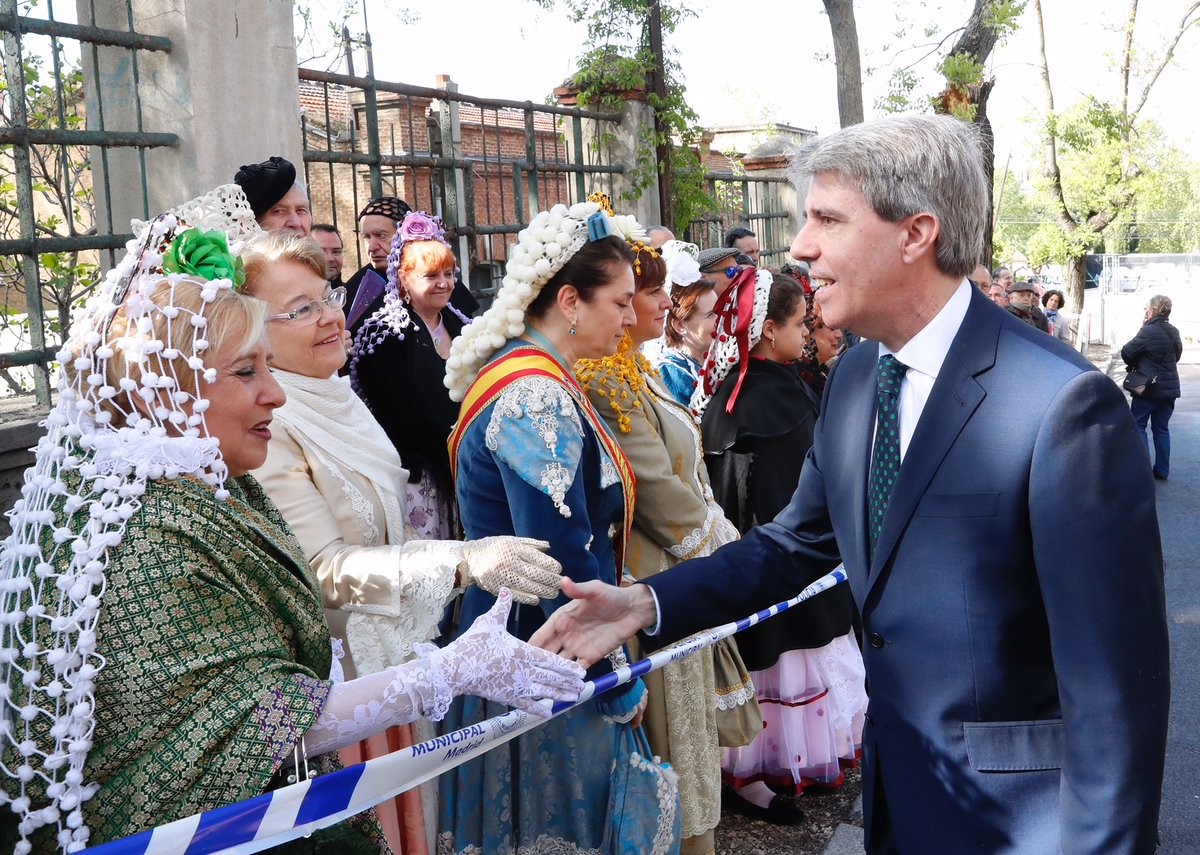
(731, 699)
(691, 545)
(358, 502)
(608, 472)
(666, 789)
(556, 480)
(543, 404)
(539, 400)
(544, 845)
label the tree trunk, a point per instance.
(977, 41)
(664, 150)
(1074, 281)
(847, 59)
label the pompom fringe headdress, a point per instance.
(741, 313)
(542, 249)
(393, 318)
(86, 484)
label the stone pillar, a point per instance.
(227, 88)
(622, 136)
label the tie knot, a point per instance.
(891, 372)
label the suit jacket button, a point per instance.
(876, 640)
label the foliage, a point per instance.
(914, 83)
(619, 58)
(1162, 214)
(63, 201)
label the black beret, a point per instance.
(266, 183)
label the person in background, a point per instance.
(330, 241)
(981, 278)
(745, 242)
(690, 322)
(1155, 351)
(718, 266)
(278, 199)
(659, 235)
(805, 664)
(1058, 320)
(1022, 298)
(377, 223)
(340, 485)
(399, 362)
(1003, 277)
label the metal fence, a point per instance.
(763, 204)
(51, 131)
(486, 166)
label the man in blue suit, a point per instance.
(989, 496)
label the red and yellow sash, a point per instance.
(529, 361)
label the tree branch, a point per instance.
(1184, 25)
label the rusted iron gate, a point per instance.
(752, 202)
(485, 165)
(23, 143)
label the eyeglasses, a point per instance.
(730, 272)
(310, 311)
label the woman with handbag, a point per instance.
(1151, 358)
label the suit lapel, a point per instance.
(954, 399)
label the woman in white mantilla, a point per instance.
(340, 485)
(163, 649)
(534, 458)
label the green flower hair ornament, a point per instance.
(204, 254)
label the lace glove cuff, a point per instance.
(517, 563)
(435, 706)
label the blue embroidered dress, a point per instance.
(531, 464)
(679, 373)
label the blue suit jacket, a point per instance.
(1013, 618)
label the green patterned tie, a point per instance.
(885, 459)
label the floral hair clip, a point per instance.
(204, 254)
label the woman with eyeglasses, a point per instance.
(340, 485)
(398, 363)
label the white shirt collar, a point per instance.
(926, 351)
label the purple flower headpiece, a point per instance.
(416, 225)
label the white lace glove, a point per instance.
(484, 661)
(489, 662)
(517, 563)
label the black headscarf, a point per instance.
(391, 207)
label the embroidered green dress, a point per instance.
(217, 658)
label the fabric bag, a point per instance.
(643, 798)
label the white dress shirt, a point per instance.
(924, 354)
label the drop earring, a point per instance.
(772, 344)
(571, 331)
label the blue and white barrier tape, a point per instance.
(300, 809)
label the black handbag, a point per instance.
(1138, 382)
